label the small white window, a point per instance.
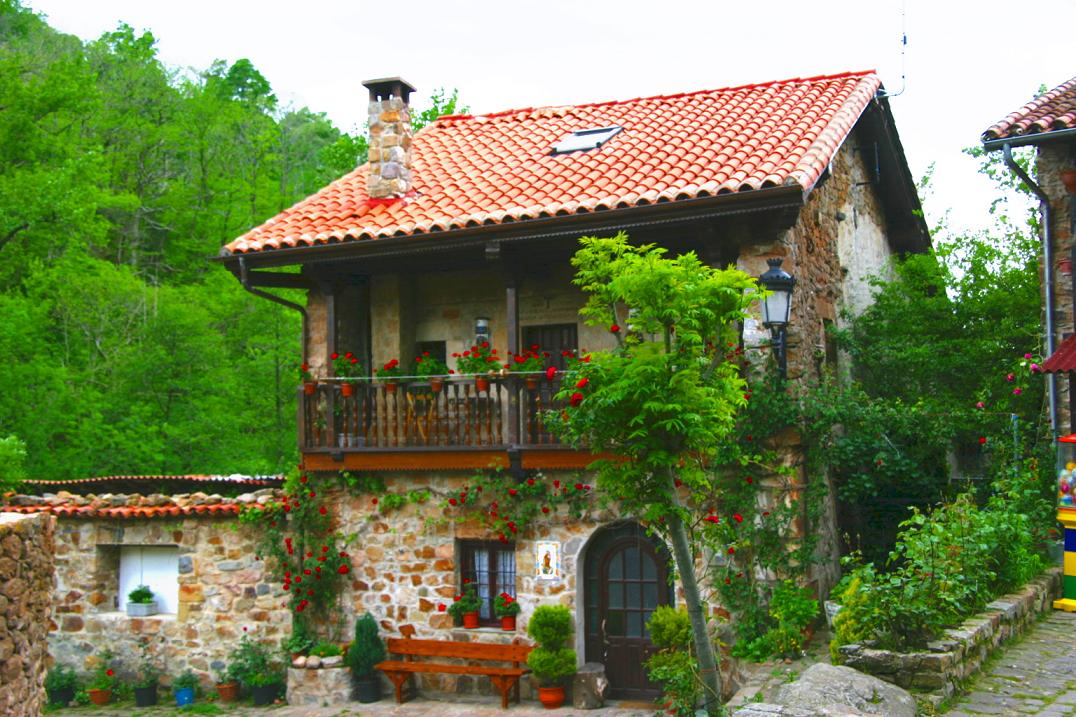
(585, 139)
(154, 566)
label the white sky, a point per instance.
(968, 63)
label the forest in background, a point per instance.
(126, 349)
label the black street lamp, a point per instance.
(775, 310)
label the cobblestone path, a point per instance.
(1035, 676)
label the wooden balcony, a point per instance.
(450, 424)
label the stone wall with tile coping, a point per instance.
(26, 576)
(961, 651)
(223, 589)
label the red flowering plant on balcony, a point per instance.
(479, 359)
(346, 365)
(304, 373)
(530, 361)
(300, 547)
(391, 371)
(427, 365)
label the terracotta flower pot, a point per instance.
(470, 620)
(551, 697)
(99, 697)
(309, 387)
(508, 622)
(228, 691)
(531, 383)
(436, 384)
(390, 388)
(481, 384)
(347, 390)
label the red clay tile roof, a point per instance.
(1063, 359)
(1052, 111)
(494, 169)
(238, 480)
(128, 512)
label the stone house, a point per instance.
(462, 233)
(1048, 123)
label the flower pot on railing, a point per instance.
(436, 384)
(309, 387)
(531, 383)
(391, 387)
(347, 390)
(481, 384)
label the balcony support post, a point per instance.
(512, 327)
(328, 289)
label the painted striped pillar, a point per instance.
(1066, 515)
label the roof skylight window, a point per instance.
(584, 139)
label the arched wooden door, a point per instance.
(626, 580)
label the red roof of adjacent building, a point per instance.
(239, 480)
(1054, 110)
(129, 512)
(1063, 359)
(494, 169)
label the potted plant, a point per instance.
(432, 369)
(183, 688)
(145, 684)
(140, 602)
(309, 384)
(479, 360)
(227, 684)
(551, 661)
(61, 683)
(346, 366)
(365, 652)
(265, 685)
(465, 606)
(99, 689)
(324, 648)
(390, 374)
(529, 363)
(506, 607)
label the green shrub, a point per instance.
(550, 626)
(186, 680)
(550, 666)
(670, 628)
(61, 677)
(366, 649)
(678, 673)
(792, 610)
(325, 649)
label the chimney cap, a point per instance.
(388, 87)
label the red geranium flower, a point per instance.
(613, 328)
(109, 672)
(343, 570)
(550, 372)
(576, 399)
(737, 517)
(582, 383)
(441, 607)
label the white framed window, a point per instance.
(152, 565)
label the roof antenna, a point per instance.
(903, 52)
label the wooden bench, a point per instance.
(505, 679)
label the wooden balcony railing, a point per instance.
(451, 414)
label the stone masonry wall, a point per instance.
(222, 593)
(26, 577)
(1052, 160)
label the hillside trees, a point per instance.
(126, 350)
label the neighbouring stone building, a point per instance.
(462, 233)
(1048, 123)
(26, 579)
(187, 547)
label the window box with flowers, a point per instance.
(390, 375)
(464, 608)
(507, 608)
(480, 361)
(346, 366)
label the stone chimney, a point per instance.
(390, 138)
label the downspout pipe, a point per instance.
(1048, 275)
(244, 279)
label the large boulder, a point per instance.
(823, 685)
(763, 709)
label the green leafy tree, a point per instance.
(664, 398)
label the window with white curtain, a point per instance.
(491, 566)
